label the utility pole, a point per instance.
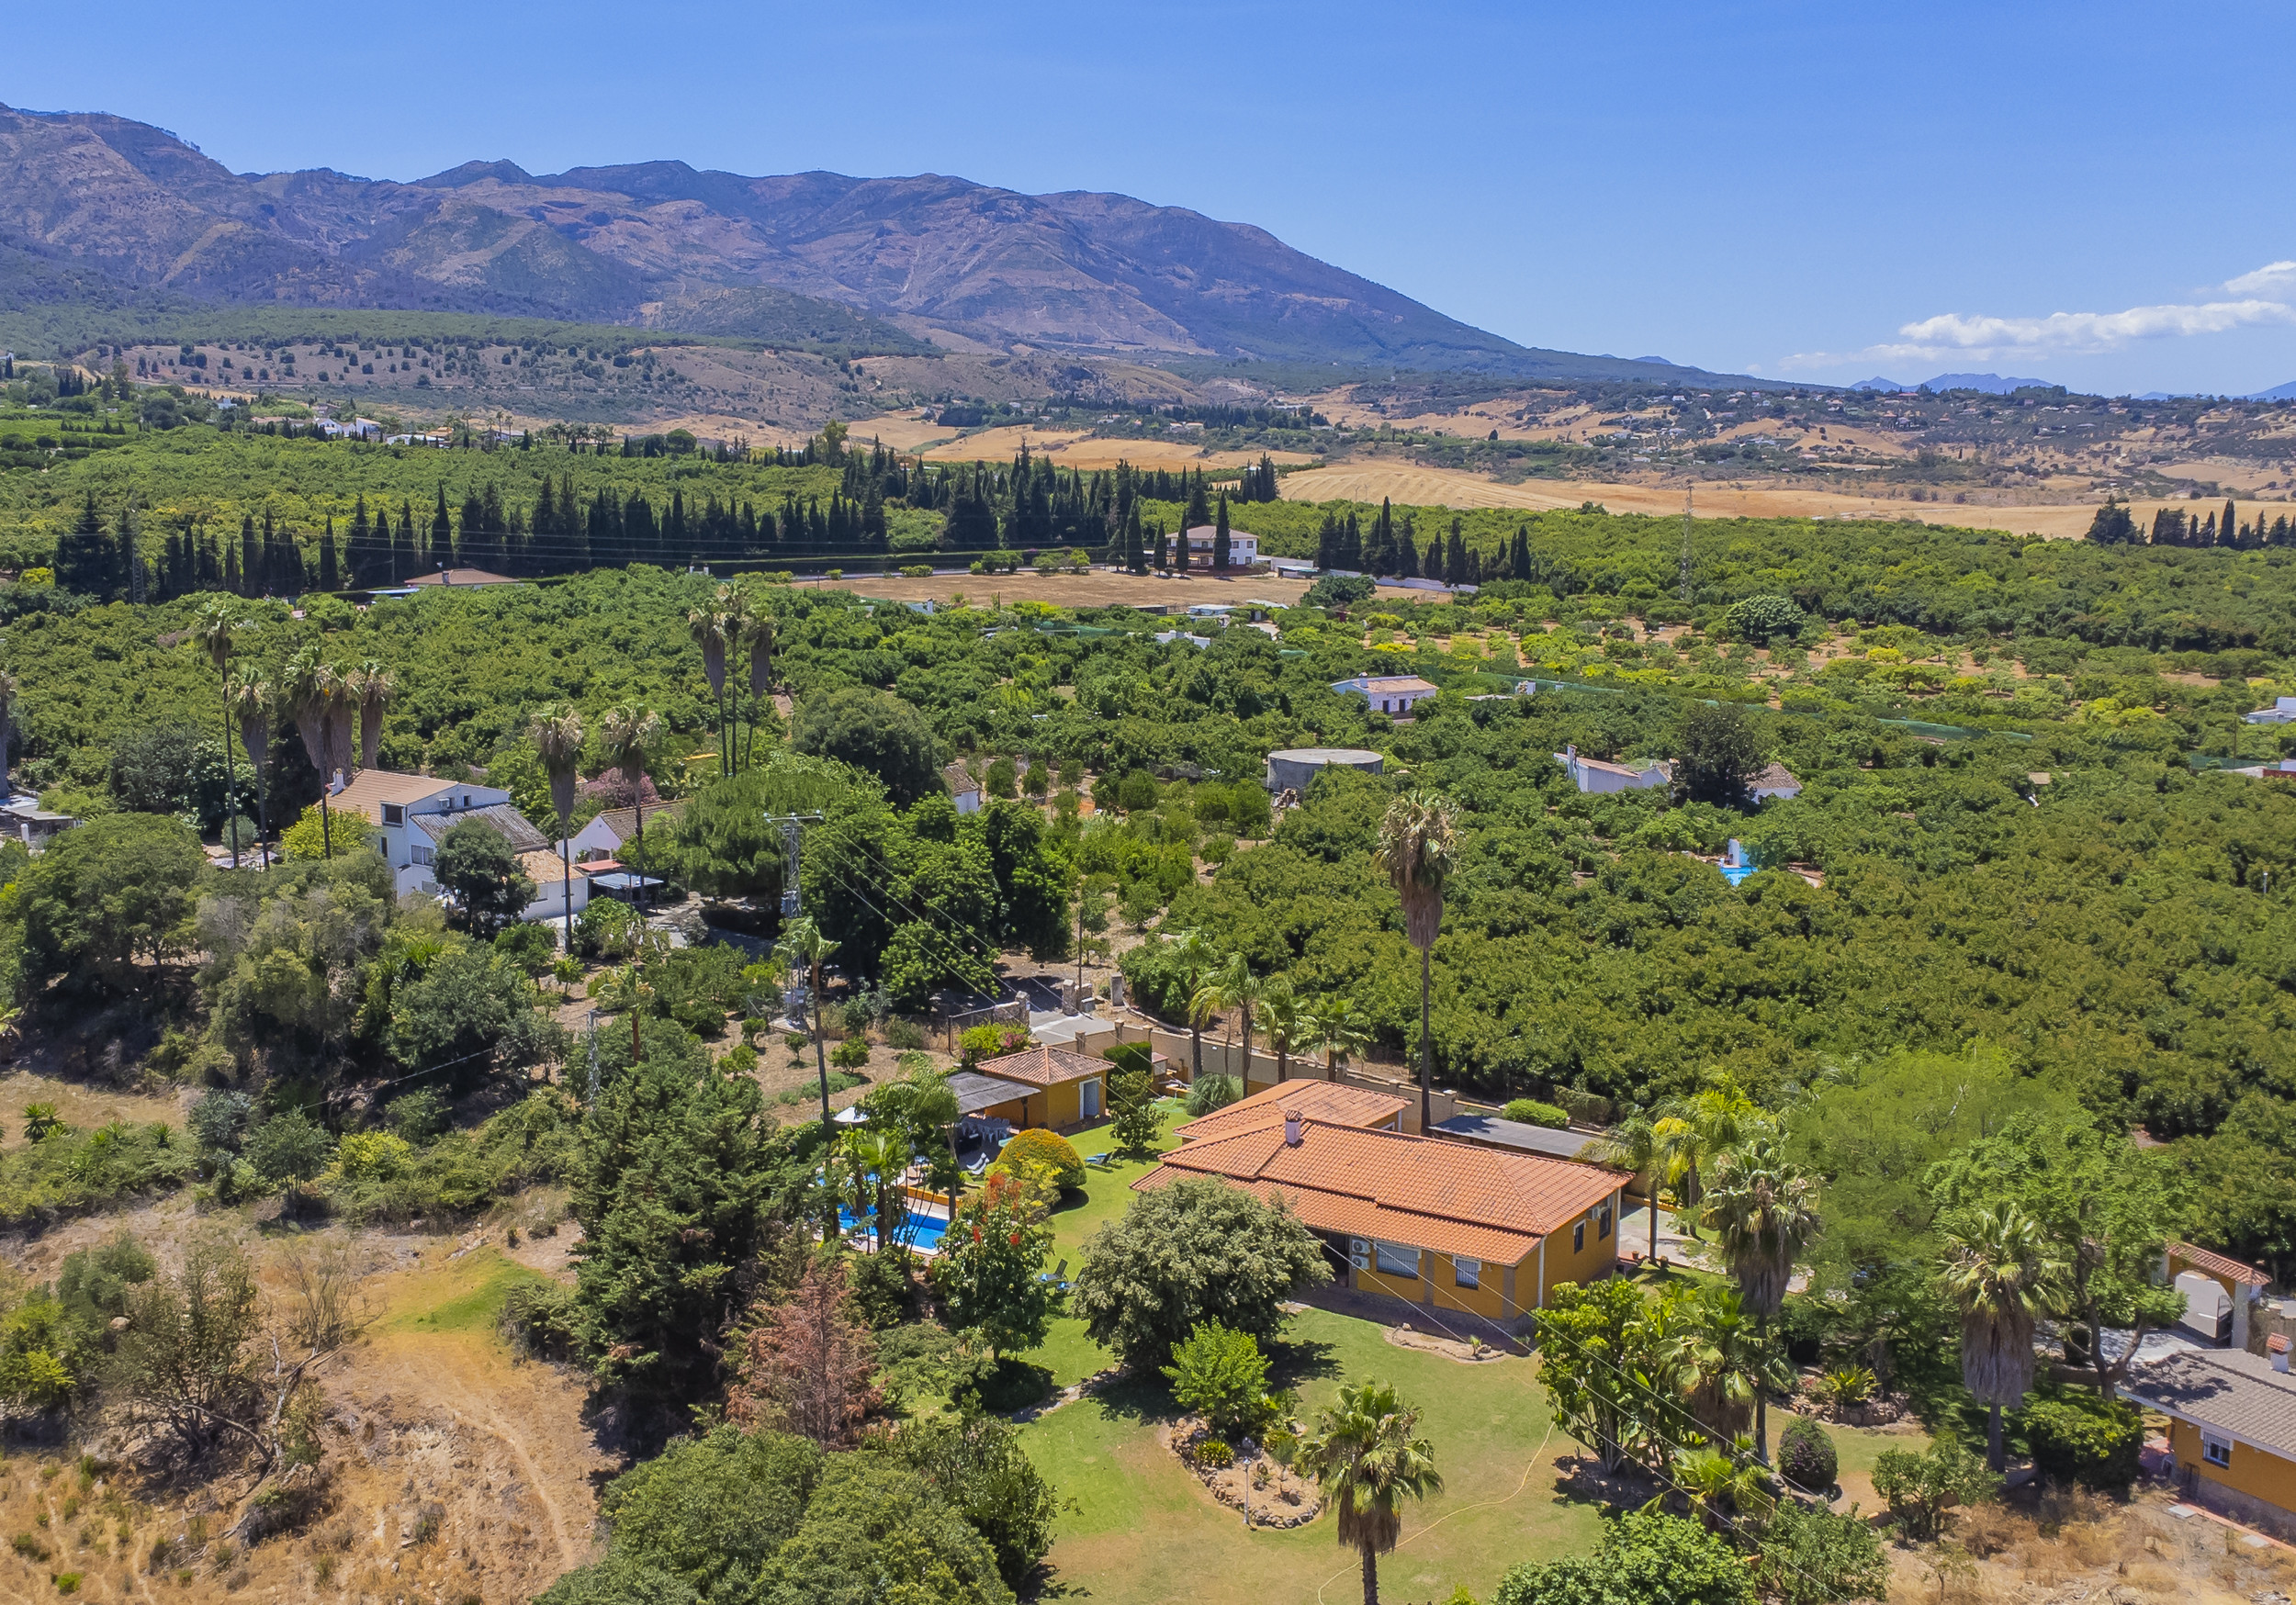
(793, 842)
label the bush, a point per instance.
(1214, 1453)
(1761, 619)
(2079, 1438)
(1806, 1456)
(976, 1043)
(904, 1036)
(1531, 1112)
(916, 571)
(1917, 1487)
(851, 1053)
(1213, 1091)
(1815, 1556)
(1646, 1558)
(1222, 1376)
(1048, 1149)
(606, 929)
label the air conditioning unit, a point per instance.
(1360, 1252)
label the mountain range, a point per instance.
(1990, 384)
(100, 210)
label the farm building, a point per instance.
(2231, 1429)
(1295, 768)
(1393, 694)
(1591, 774)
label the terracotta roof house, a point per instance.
(1439, 1224)
(462, 576)
(1056, 1087)
(1334, 1102)
(409, 815)
(2231, 1429)
(1776, 781)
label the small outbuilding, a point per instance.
(1392, 694)
(1295, 768)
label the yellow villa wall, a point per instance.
(1435, 1284)
(1588, 1264)
(1056, 1106)
(2257, 1472)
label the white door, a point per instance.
(1092, 1099)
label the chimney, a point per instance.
(2276, 1346)
(1570, 749)
(1292, 1139)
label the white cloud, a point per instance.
(1951, 336)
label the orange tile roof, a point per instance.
(1043, 1067)
(1419, 1191)
(543, 867)
(2216, 1265)
(1334, 1102)
(370, 789)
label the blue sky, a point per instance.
(2092, 194)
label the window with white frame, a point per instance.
(1395, 1260)
(1602, 1223)
(422, 855)
(1466, 1273)
(2216, 1451)
(1578, 1238)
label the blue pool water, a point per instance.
(923, 1231)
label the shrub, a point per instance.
(1806, 1456)
(916, 571)
(1048, 1149)
(2079, 1438)
(1761, 619)
(1214, 1453)
(904, 1036)
(851, 1053)
(606, 929)
(1221, 1375)
(1531, 1112)
(1646, 1557)
(1848, 1385)
(1916, 1486)
(1816, 1556)
(1211, 1091)
(372, 1156)
(976, 1043)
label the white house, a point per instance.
(407, 815)
(1395, 694)
(1243, 547)
(1591, 774)
(963, 787)
(611, 830)
(1776, 781)
(2281, 711)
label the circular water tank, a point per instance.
(1295, 768)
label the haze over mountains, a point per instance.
(100, 208)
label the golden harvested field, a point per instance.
(1075, 448)
(1097, 590)
(1409, 484)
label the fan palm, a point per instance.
(803, 947)
(556, 733)
(631, 730)
(311, 690)
(1764, 1212)
(880, 1157)
(249, 696)
(708, 627)
(1365, 1456)
(212, 629)
(1192, 959)
(1285, 1018)
(1692, 1131)
(1418, 842)
(1720, 1364)
(2002, 1271)
(1340, 1028)
(372, 687)
(759, 636)
(1232, 987)
(1633, 1146)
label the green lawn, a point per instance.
(1145, 1530)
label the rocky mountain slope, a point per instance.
(663, 244)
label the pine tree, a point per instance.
(132, 581)
(85, 555)
(251, 557)
(1222, 554)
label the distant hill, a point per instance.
(1877, 383)
(1991, 384)
(100, 210)
(2276, 393)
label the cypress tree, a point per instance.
(85, 553)
(403, 544)
(1454, 561)
(357, 549)
(1327, 543)
(1198, 506)
(441, 547)
(1164, 552)
(232, 581)
(1221, 552)
(1407, 552)
(250, 555)
(330, 573)
(1351, 544)
(2228, 530)
(1520, 558)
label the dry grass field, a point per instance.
(1095, 590)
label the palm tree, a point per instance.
(7, 729)
(212, 629)
(803, 947)
(1717, 1482)
(1340, 1028)
(372, 688)
(1764, 1211)
(734, 619)
(1633, 1146)
(761, 635)
(312, 690)
(1232, 987)
(556, 733)
(630, 731)
(1192, 960)
(1720, 1364)
(2002, 1271)
(249, 696)
(708, 628)
(1418, 841)
(1692, 1131)
(1286, 1020)
(880, 1157)
(1363, 1455)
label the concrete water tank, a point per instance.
(1295, 768)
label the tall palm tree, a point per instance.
(1764, 1212)
(1418, 842)
(1693, 1131)
(631, 730)
(1633, 1146)
(310, 688)
(372, 688)
(1284, 1017)
(556, 733)
(2003, 1274)
(249, 696)
(707, 626)
(212, 629)
(1720, 1364)
(761, 635)
(733, 606)
(1232, 987)
(1340, 1028)
(7, 729)
(803, 947)
(1192, 960)
(881, 1156)
(1365, 1456)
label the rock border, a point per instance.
(1181, 1439)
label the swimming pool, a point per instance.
(923, 1231)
